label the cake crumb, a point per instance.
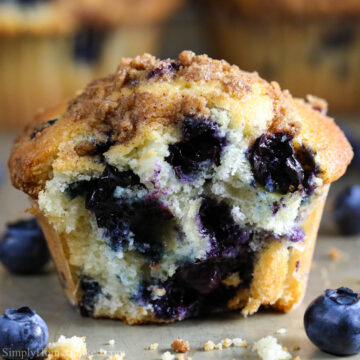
(334, 254)
(180, 357)
(297, 358)
(281, 331)
(238, 342)
(167, 356)
(226, 342)
(268, 349)
(120, 356)
(296, 348)
(66, 348)
(153, 346)
(111, 342)
(180, 345)
(209, 346)
(218, 346)
(102, 352)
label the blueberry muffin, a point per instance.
(55, 47)
(306, 45)
(177, 188)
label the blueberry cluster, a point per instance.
(197, 288)
(200, 147)
(138, 221)
(277, 166)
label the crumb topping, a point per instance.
(145, 92)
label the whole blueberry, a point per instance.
(23, 248)
(332, 322)
(23, 334)
(347, 210)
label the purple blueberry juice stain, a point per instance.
(141, 221)
(200, 147)
(279, 168)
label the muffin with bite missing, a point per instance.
(177, 188)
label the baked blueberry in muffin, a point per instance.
(177, 188)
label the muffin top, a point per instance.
(298, 8)
(49, 17)
(118, 114)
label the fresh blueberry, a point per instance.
(23, 248)
(23, 334)
(332, 322)
(347, 210)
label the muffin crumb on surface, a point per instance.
(66, 348)
(269, 349)
(180, 345)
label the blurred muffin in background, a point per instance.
(51, 48)
(309, 46)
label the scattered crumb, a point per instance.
(180, 357)
(334, 254)
(67, 348)
(167, 356)
(226, 342)
(209, 346)
(297, 358)
(281, 331)
(102, 352)
(120, 356)
(268, 349)
(180, 345)
(153, 346)
(111, 342)
(296, 348)
(238, 342)
(218, 346)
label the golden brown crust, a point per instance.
(280, 274)
(267, 9)
(147, 92)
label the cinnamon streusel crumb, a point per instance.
(180, 345)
